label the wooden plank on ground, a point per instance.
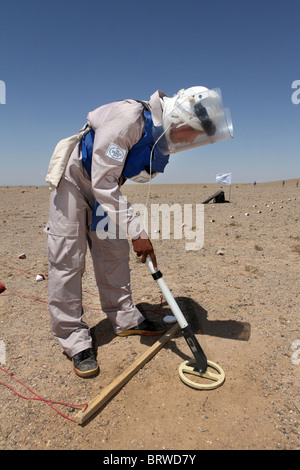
(120, 381)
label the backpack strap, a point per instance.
(145, 105)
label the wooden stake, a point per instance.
(120, 381)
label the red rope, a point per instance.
(44, 301)
(24, 295)
(34, 298)
(17, 269)
(38, 398)
(155, 310)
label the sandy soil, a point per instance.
(240, 293)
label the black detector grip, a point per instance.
(201, 360)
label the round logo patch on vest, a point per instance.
(115, 152)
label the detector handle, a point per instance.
(158, 277)
(201, 360)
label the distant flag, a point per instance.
(223, 178)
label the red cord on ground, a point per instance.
(38, 398)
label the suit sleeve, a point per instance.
(112, 142)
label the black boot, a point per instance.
(85, 364)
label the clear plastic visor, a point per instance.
(196, 120)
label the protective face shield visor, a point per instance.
(192, 118)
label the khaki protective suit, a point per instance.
(118, 126)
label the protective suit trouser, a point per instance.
(69, 234)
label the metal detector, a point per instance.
(199, 366)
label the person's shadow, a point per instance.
(196, 316)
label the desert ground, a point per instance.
(239, 292)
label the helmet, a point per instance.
(192, 118)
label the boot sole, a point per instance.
(86, 373)
(141, 332)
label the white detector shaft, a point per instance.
(198, 366)
(201, 361)
(168, 296)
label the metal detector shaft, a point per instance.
(201, 360)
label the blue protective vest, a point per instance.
(137, 161)
(138, 158)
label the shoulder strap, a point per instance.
(146, 105)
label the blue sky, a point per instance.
(61, 59)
